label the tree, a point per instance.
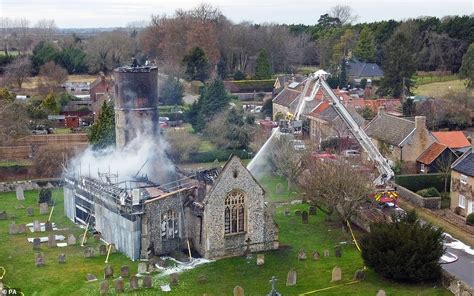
(102, 132)
(467, 68)
(263, 69)
(52, 76)
(44, 196)
(172, 92)
(409, 107)
(365, 47)
(50, 104)
(196, 64)
(286, 159)
(405, 250)
(182, 144)
(367, 113)
(343, 13)
(50, 160)
(13, 118)
(398, 64)
(335, 186)
(238, 130)
(73, 60)
(42, 53)
(267, 108)
(18, 71)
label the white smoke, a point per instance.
(261, 164)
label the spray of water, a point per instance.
(261, 164)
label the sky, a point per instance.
(118, 13)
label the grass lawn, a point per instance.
(420, 80)
(206, 146)
(10, 163)
(17, 257)
(61, 131)
(270, 183)
(438, 89)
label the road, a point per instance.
(463, 268)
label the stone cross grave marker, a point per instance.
(239, 291)
(62, 258)
(21, 228)
(316, 255)
(36, 243)
(260, 259)
(51, 240)
(247, 243)
(133, 283)
(336, 274)
(124, 271)
(119, 286)
(19, 193)
(108, 272)
(30, 211)
(338, 251)
(291, 278)
(90, 277)
(326, 253)
(102, 250)
(88, 252)
(312, 210)
(381, 293)
(273, 292)
(3, 215)
(147, 282)
(36, 226)
(48, 226)
(39, 259)
(142, 267)
(71, 239)
(304, 217)
(359, 275)
(12, 228)
(104, 288)
(302, 255)
(174, 279)
(44, 210)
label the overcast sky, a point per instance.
(116, 13)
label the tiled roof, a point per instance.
(327, 112)
(431, 153)
(389, 104)
(356, 68)
(389, 129)
(465, 165)
(286, 97)
(452, 139)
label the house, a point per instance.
(400, 139)
(358, 70)
(283, 81)
(392, 106)
(434, 159)
(218, 213)
(100, 87)
(455, 140)
(462, 183)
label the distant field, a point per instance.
(438, 89)
(32, 83)
(420, 80)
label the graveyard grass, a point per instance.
(17, 256)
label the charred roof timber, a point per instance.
(135, 67)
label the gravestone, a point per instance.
(48, 226)
(312, 210)
(36, 226)
(102, 250)
(359, 275)
(174, 279)
(147, 282)
(71, 239)
(113, 249)
(119, 286)
(260, 259)
(304, 217)
(150, 267)
(36, 243)
(19, 207)
(44, 210)
(62, 258)
(239, 291)
(202, 279)
(12, 228)
(96, 237)
(90, 277)
(302, 255)
(39, 260)
(316, 255)
(133, 283)
(287, 212)
(51, 240)
(338, 251)
(326, 253)
(29, 211)
(291, 278)
(19, 193)
(142, 267)
(3, 215)
(381, 293)
(298, 213)
(21, 228)
(124, 271)
(108, 272)
(336, 274)
(88, 252)
(104, 288)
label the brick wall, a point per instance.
(425, 202)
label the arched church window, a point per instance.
(169, 225)
(234, 212)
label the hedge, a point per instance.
(210, 156)
(254, 85)
(422, 181)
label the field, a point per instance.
(17, 257)
(439, 89)
(32, 82)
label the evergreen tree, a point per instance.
(50, 104)
(409, 107)
(238, 132)
(365, 48)
(222, 67)
(172, 92)
(42, 53)
(343, 74)
(398, 65)
(467, 68)
(102, 132)
(263, 69)
(267, 108)
(196, 64)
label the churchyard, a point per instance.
(252, 273)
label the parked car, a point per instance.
(298, 145)
(350, 153)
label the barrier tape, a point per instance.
(353, 237)
(328, 288)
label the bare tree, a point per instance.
(52, 76)
(49, 160)
(109, 50)
(5, 37)
(13, 118)
(443, 165)
(335, 185)
(344, 13)
(182, 144)
(286, 159)
(46, 29)
(18, 71)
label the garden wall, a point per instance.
(424, 202)
(30, 184)
(454, 285)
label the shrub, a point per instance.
(457, 210)
(429, 192)
(44, 196)
(210, 156)
(404, 251)
(470, 219)
(239, 75)
(418, 182)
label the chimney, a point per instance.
(420, 122)
(381, 110)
